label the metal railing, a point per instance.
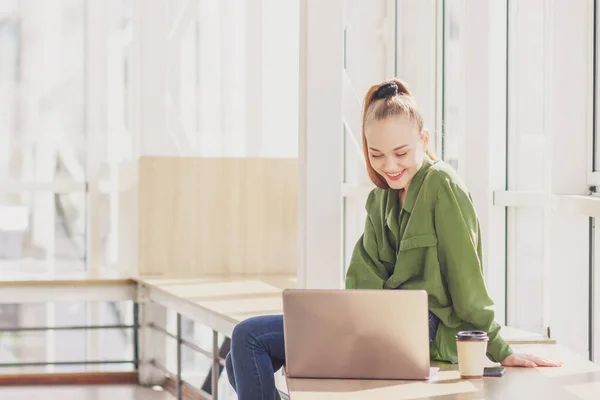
(210, 387)
(214, 373)
(135, 327)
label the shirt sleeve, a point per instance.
(366, 271)
(459, 249)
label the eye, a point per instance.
(375, 155)
(402, 154)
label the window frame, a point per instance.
(593, 138)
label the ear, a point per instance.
(426, 136)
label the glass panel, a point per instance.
(364, 40)
(66, 345)
(526, 92)
(354, 223)
(369, 35)
(195, 367)
(23, 347)
(171, 319)
(182, 77)
(54, 36)
(171, 355)
(31, 315)
(117, 138)
(415, 55)
(223, 99)
(42, 122)
(200, 335)
(115, 312)
(526, 253)
(355, 172)
(42, 232)
(116, 227)
(569, 298)
(115, 344)
(116, 222)
(454, 83)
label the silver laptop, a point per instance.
(356, 334)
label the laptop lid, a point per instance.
(346, 334)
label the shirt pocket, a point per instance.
(414, 254)
(414, 242)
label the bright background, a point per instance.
(508, 89)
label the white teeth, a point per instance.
(396, 174)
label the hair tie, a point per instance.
(386, 90)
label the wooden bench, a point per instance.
(222, 303)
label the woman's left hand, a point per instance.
(528, 360)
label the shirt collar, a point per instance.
(415, 184)
(411, 197)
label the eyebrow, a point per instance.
(397, 148)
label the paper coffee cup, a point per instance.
(472, 349)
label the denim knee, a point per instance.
(242, 334)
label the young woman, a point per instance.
(421, 232)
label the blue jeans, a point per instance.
(258, 351)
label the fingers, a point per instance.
(526, 363)
(540, 362)
(519, 362)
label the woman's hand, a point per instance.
(527, 360)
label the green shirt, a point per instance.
(433, 244)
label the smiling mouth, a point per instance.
(395, 176)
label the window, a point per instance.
(548, 237)
(361, 41)
(222, 98)
(42, 169)
(528, 140)
(454, 70)
(386, 33)
(64, 92)
(595, 143)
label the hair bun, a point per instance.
(386, 90)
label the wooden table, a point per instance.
(234, 299)
(221, 303)
(77, 286)
(578, 378)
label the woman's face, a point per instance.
(396, 149)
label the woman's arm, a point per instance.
(459, 251)
(366, 271)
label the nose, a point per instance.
(389, 165)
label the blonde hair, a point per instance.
(389, 99)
